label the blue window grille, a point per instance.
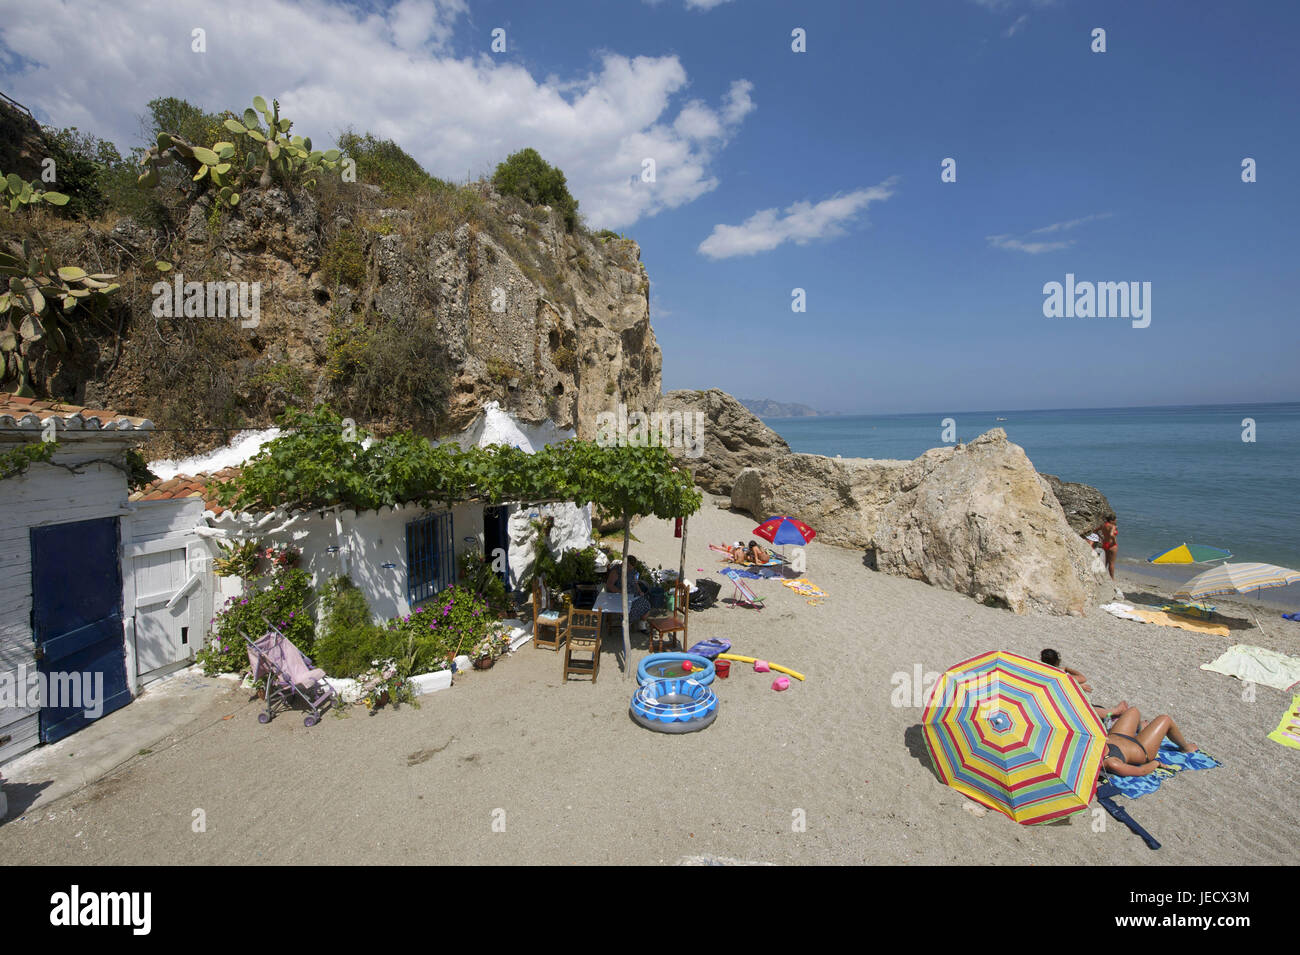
(430, 557)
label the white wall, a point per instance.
(45, 494)
(572, 530)
(364, 543)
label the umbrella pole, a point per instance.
(681, 569)
(627, 632)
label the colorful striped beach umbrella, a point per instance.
(1189, 554)
(1015, 735)
(785, 530)
(1237, 579)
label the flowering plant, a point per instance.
(494, 645)
(238, 559)
(282, 602)
(381, 684)
(440, 628)
(281, 555)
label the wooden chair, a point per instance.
(583, 635)
(664, 630)
(548, 624)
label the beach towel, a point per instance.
(1106, 794)
(736, 571)
(1161, 619)
(1257, 665)
(1291, 616)
(804, 587)
(710, 648)
(1122, 610)
(1288, 729)
(1172, 761)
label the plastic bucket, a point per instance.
(723, 669)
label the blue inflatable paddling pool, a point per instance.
(668, 666)
(674, 706)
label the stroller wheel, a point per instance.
(309, 721)
(263, 717)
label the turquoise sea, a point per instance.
(1173, 475)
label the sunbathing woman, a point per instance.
(1053, 659)
(1128, 754)
(757, 555)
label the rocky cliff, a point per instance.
(401, 314)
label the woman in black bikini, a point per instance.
(1130, 751)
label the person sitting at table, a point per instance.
(638, 595)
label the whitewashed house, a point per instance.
(94, 598)
(398, 557)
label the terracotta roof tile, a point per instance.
(185, 485)
(28, 414)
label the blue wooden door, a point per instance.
(77, 623)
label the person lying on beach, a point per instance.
(1053, 659)
(758, 555)
(1134, 755)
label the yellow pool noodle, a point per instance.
(780, 669)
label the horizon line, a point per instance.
(875, 414)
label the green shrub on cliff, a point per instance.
(383, 163)
(530, 177)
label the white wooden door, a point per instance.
(169, 605)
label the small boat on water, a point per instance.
(999, 419)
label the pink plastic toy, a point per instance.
(781, 683)
(760, 666)
(687, 666)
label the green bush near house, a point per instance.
(575, 567)
(283, 600)
(348, 638)
(477, 576)
(453, 622)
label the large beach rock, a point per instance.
(974, 518)
(1085, 507)
(840, 498)
(734, 438)
(979, 519)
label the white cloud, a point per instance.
(1035, 246)
(392, 73)
(704, 4)
(799, 223)
(1017, 26)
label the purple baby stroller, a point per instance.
(288, 674)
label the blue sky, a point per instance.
(820, 170)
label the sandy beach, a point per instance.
(567, 777)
